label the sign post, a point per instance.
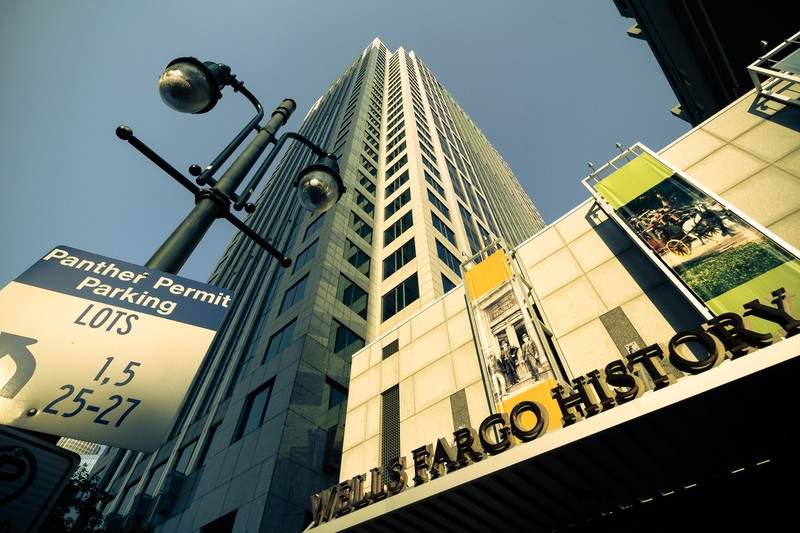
(102, 350)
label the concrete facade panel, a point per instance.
(689, 150)
(364, 387)
(540, 247)
(433, 382)
(588, 347)
(426, 426)
(572, 306)
(725, 168)
(554, 272)
(768, 196)
(424, 350)
(466, 365)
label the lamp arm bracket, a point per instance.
(126, 134)
(244, 228)
(206, 175)
(222, 200)
(319, 152)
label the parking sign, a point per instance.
(102, 350)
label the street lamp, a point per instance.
(191, 86)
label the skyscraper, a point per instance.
(89, 451)
(261, 428)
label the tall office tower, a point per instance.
(261, 429)
(89, 451)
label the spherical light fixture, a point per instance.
(319, 186)
(190, 86)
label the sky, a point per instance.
(553, 85)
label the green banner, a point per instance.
(724, 260)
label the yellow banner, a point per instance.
(488, 274)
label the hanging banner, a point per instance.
(720, 257)
(513, 357)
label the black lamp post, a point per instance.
(190, 86)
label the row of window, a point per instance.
(399, 258)
(399, 297)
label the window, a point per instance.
(367, 184)
(211, 438)
(400, 296)
(314, 226)
(361, 228)
(294, 294)
(430, 166)
(272, 291)
(127, 497)
(279, 341)
(182, 463)
(395, 167)
(394, 153)
(396, 184)
(484, 234)
(343, 341)
(393, 206)
(352, 296)
(369, 167)
(155, 476)
(435, 184)
(448, 258)
(254, 411)
(395, 129)
(394, 141)
(472, 237)
(364, 204)
(371, 140)
(447, 285)
(396, 229)
(438, 204)
(370, 152)
(337, 395)
(443, 143)
(356, 257)
(443, 228)
(400, 257)
(332, 420)
(305, 256)
(455, 180)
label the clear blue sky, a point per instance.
(552, 84)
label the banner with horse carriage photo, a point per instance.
(723, 260)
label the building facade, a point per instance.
(263, 423)
(89, 451)
(670, 336)
(704, 48)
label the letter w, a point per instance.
(322, 505)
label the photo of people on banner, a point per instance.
(720, 257)
(513, 355)
(514, 359)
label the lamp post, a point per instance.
(191, 86)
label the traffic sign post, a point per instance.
(33, 473)
(102, 350)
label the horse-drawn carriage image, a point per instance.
(671, 229)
